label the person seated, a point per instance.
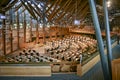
(20, 54)
(37, 54)
(41, 56)
(17, 60)
(26, 54)
(31, 54)
(24, 50)
(57, 57)
(77, 59)
(33, 59)
(29, 50)
(20, 60)
(46, 58)
(52, 53)
(27, 60)
(41, 60)
(51, 60)
(47, 50)
(37, 60)
(63, 58)
(34, 51)
(68, 59)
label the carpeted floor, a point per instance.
(116, 52)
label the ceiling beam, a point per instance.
(10, 5)
(51, 6)
(22, 11)
(34, 10)
(81, 6)
(54, 11)
(67, 9)
(61, 16)
(84, 12)
(39, 11)
(61, 8)
(29, 10)
(18, 7)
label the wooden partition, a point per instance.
(116, 69)
(83, 69)
(25, 70)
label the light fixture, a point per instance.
(29, 1)
(76, 21)
(2, 16)
(25, 3)
(39, 6)
(108, 3)
(32, 4)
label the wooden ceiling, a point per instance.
(3, 3)
(56, 11)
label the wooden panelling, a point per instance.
(25, 71)
(116, 69)
(79, 70)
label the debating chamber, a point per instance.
(59, 39)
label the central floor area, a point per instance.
(92, 74)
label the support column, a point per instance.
(44, 36)
(99, 40)
(37, 33)
(61, 32)
(31, 25)
(4, 35)
(50, 31)
(11, 38)
(108, 40)
(10, 28)
(18, 27)
(24, 27)
(44, 22)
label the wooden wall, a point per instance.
(54, 33)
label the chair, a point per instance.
(65, 68)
